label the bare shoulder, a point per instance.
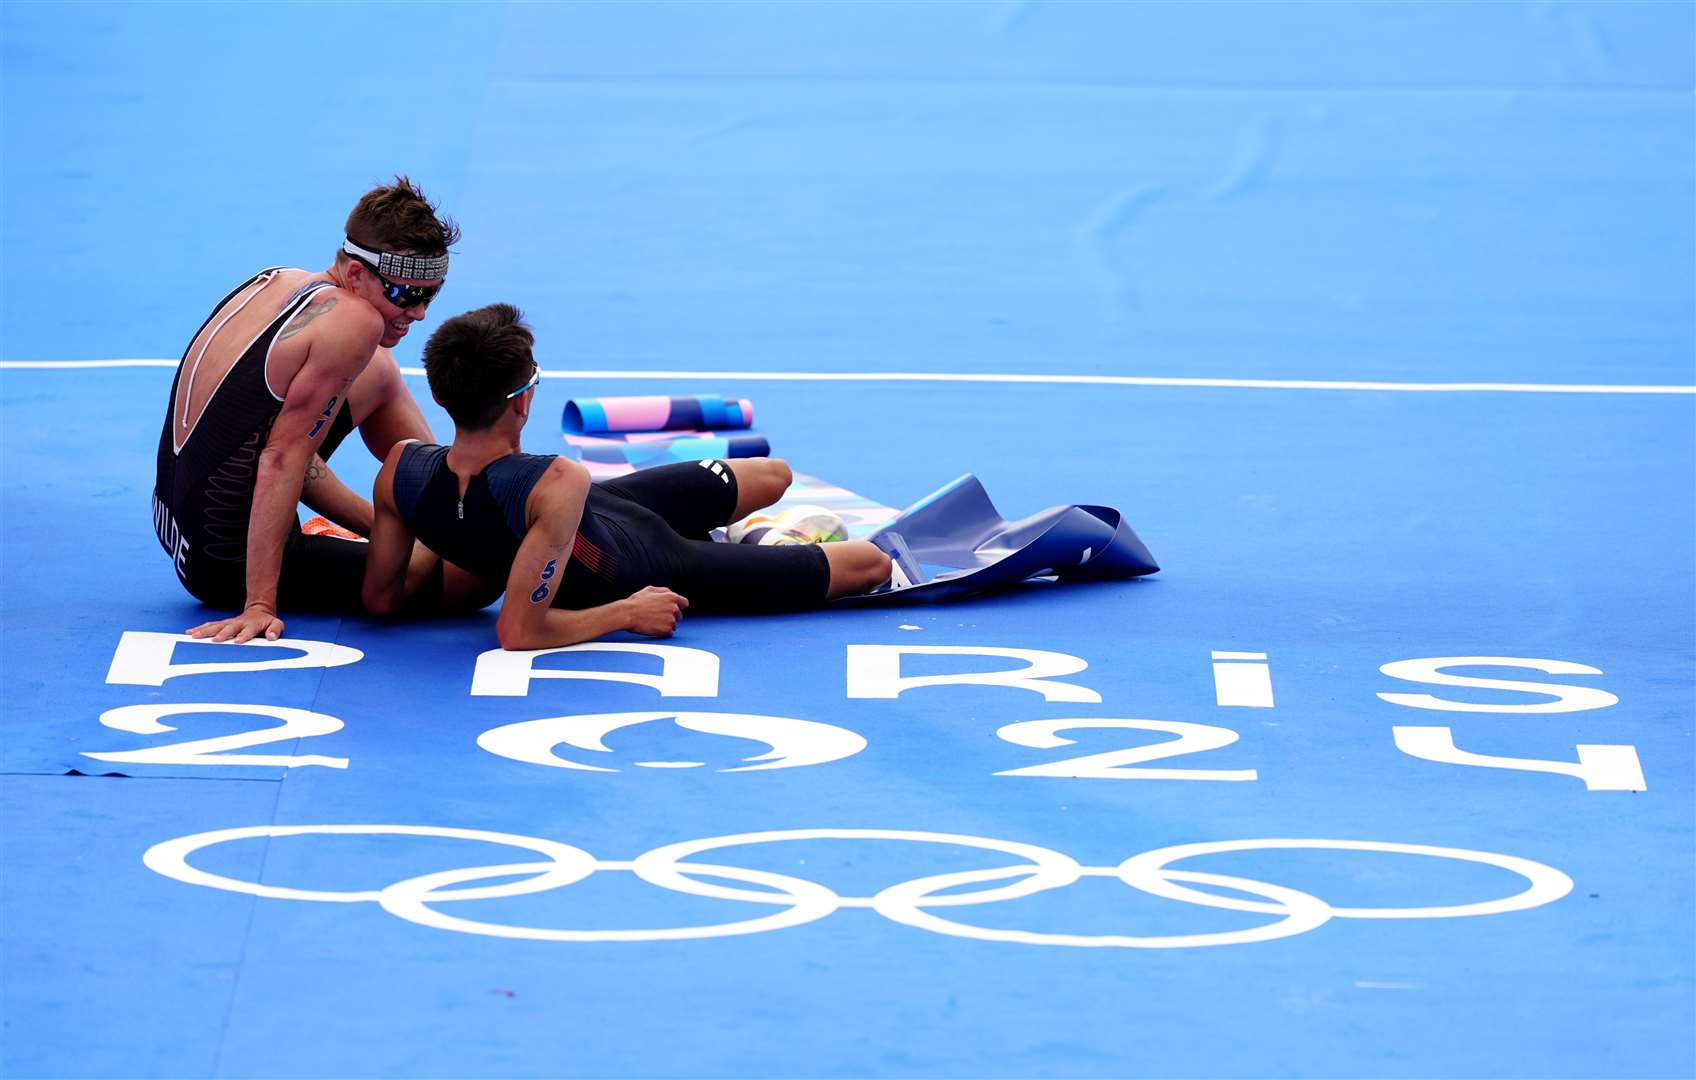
(384, 486)
(392, 460)
(346, 313)
(565, 479)
(563, 485)
(331, 339)
(336, 321)
(563, 470)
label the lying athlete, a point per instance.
(282, 370)
(579, 560)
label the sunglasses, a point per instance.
(401, 296)
(535, 377)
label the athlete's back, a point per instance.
(228, 390)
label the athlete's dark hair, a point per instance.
(475, 360)
(398, 218)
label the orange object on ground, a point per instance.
(323, 526)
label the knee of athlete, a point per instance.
(779, 476)
(856, 566)
(875, 567)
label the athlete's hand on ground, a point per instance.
(252, 623)
(654, 611)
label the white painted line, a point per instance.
(1243, 686)
(1238, 655)
(985, 377)
(70, 365)
(1117, 380)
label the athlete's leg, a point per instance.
(779, 577)
(757, 577)
(325, 573)
(693, 497)
(725, 577)
(759, 483)
(463, 591)
(321, 573)
(383, 408)
(855, 567)
(438, 587)
(445, 589)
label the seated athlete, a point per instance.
(579, 560)
(285, 366)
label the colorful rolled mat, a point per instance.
(611, 455)
(693, 412)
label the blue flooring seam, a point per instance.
(246, 938)
(139, 776)
(79, 775)
(253, 908)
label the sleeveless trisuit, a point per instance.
(203, 487)
(648, 528)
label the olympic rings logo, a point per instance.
(911, 903)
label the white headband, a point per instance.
(414, 267)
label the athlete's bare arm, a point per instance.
(338, 346)
(397, 565)
(528, 619)
(383, 410)
(384, 590)
(324, 492)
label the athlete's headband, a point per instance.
(416, 267)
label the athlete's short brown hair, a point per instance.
(475, 360)
(397, 217)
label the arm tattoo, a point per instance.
(316, 470)
(307, 314)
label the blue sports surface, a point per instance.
(1376, 321)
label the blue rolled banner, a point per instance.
(693, 412)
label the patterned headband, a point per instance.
(414, 267)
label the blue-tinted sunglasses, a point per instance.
(401, 296)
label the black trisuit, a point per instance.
(203, 490)
(651, 527)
